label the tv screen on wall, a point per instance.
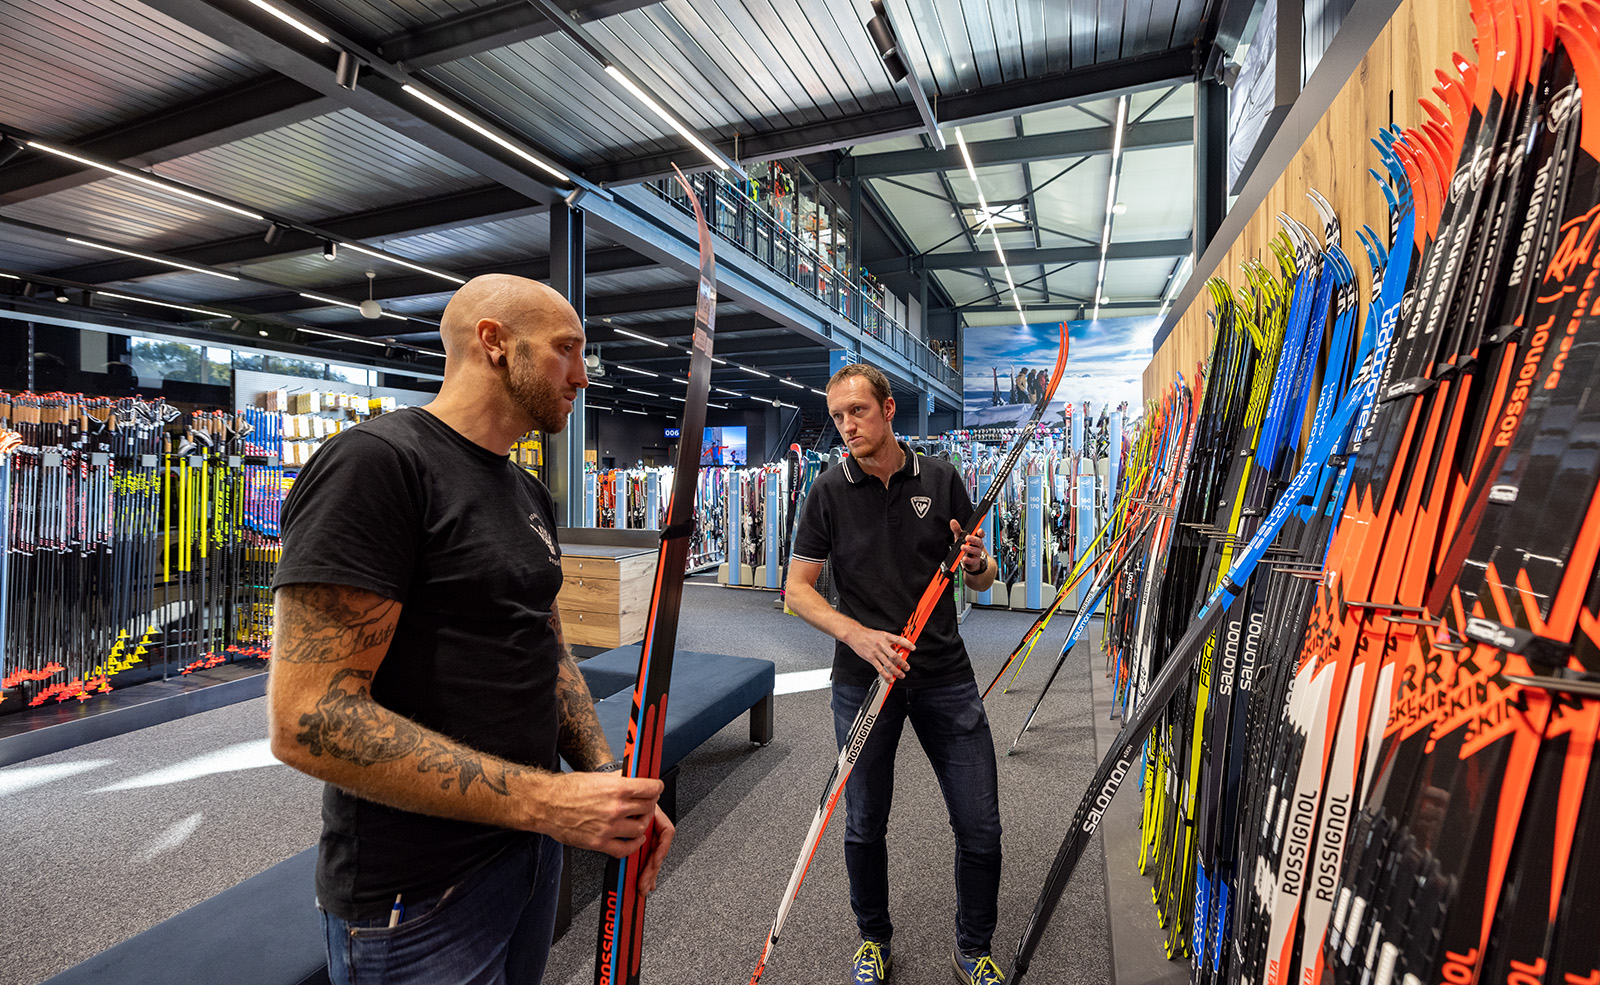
(723, 446)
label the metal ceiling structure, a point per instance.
(204, 152)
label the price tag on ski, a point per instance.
(879, 691)
(621, 937)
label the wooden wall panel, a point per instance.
(1334, 160)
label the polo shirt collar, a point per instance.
(910, 467)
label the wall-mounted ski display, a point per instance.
(1359, 676)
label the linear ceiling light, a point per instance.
(788, 382)
(756, 372)
(641, 372)
(671, 121)
(442, 275)
(641, 338)
(152, 259)
(290, 20)
(643, 393)
(144, 177)
(719, 362)
(485, 132)
(160, 304)
(630, 410)
(678, 399)
(595, 382)
(818, 392)
(988, 218)
(1111, 202)
(730, 393)
(785, 403)
(717, 406)
(347, 304)
(345, 338)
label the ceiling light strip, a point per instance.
(641, 372)
(159, 304)
(1111, 201)
(671, 121)
(488, 134)
(292, 21)
(442, 275)
(641, 338)
(142, 176)
(147, 256)
(988, 220)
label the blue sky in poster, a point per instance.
(1104, 367)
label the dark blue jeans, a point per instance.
(954, 731)
(492, 928)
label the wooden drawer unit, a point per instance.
(605, 594)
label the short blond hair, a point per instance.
(876, 381)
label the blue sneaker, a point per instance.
(871, 964)
(980, 970)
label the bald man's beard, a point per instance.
(536, 395)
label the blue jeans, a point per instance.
(954, 731)
(491, 928)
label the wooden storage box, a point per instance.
(605, 594)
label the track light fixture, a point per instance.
(884, 40)
(9, 149)
(330, 250)
(274, 234)
(29, 289)
(348, 73)
(60, 296)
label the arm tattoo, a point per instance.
(581, 739)
(328, 626)
(347, 724)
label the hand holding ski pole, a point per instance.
(886, 652)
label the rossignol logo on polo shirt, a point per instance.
(921, 505)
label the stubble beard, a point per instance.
(535, 395)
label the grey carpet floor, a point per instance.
(201, 808)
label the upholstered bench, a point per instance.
(264, 931)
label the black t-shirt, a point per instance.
(406, 507)
(886, 543)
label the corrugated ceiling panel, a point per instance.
(185, 286)
(73, 67)
(564, 105)
(422, 304)
(309, 271)
(635, 281)
(24, 249)
(1001, 184)
(381, 18)
(1157, 186)
(330, 166)
(1160, 32)
(128, 213)
(506, 241)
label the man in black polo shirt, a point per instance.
(887, 517)
(418, 667)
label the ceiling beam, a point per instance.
(256, 35)
(488, 28)
(189, 127)
(476, 207)
(983, 259)
(991, 102)
(1018, 150)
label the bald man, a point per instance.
(419, 668)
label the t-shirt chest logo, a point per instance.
(921, 505)
(544, 535)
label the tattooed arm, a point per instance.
(581, 741)
(322, 720)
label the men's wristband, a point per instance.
(984, 559)
(612, 767)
